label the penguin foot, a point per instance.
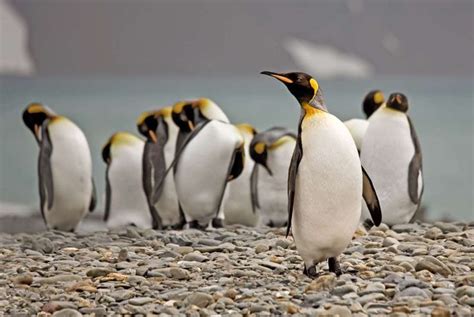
(217, 223)
(195, 225)
(310, 272)
(334, 266)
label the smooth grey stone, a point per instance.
(412, 283)
(140, 301)
(343, 290)
(195, 256)
(447, 227)
(412, 292)
(433, 265)
(99, 271)
(199, 299)
(67, 312)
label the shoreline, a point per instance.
(420, 268)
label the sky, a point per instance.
(210, 37)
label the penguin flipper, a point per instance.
(371, 199)
(415, 169)
(292, 173)
(254, 188)
(180, 151)
(45, 174)
(108, 195)
(154, 169)
(93, 201)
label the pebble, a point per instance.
(408, 270)
(199, 299)
(67, 313)
(433, 265)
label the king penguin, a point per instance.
(210, 156)
(238, 207)
(391, 153)
(66, 187)
(161, 137)
(271, 150)
(325, 182)
(125, 200)
(357, 127)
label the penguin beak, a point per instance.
(152, 135)
(280, 77)
(268, 169)
(37, 131)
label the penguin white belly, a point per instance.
(273, 189)
(238, 207)
(168, 206)
(201, 172)
(128, 199)
(386, 154)
(328, 190)
(71, 168)
(357, 128)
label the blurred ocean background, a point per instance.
(102, 63)
(441, 109)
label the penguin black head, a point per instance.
(304, 87)
(106, 152)
(34, 116)
(398, 101)
(258, 152)
(183, 115)
(148, 124)
(372, 101)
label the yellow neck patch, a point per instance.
(280, 142)
(259, 147)
(245, 127)
(379, 97)
(123, 138)
(36, 108)
(143, 116)
(310, 111)
(178, 107)
(165, 112)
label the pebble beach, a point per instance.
(414, 269)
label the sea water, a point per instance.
(441, 109)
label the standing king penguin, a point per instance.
(210, 156)
(271, 150)
(391, 154)
(357, 127)
(161, 134)
(238, 206)
(66, 187)
(325, 181)
(125, 200)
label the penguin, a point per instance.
(66, 187)
(357, 127)
(326, 181)
(391, 153)
(211, 155)
(272, 151)
(238, 207)
(125, 199)
(159, 151)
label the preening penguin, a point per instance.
(66, 187)
(325, 181)
(357, 127)
(271, 150)
(210, 156)
(125, 201)
(391, 154)
(238, 206)
(160, 133)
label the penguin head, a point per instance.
(183, 115)
(118, 139)
(372, 101)
(301, 85)
(35, 115)
(148, 123)
(398, 101)
(206, 109)
(259, 153)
